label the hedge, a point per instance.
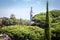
(18, 32)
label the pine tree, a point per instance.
(47, 29)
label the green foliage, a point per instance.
(55, 13)
(54, 17)
(47, 27)
(40, 17)
(54, 22)
(12, 17)
(23, 22)
(4, 21)
(56, 31)
(0, 21)
(18, 32)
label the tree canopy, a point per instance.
(54, 17)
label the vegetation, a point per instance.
(47, 28)
(19, 29)
(54, 17)
(4, 21)
(40, 19)
(19, 32)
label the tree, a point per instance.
(13, 19)
(23, 22)
(12, 16)
(1, 20)
(5, 21)
(47, 28)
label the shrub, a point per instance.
(56, 32)
(19, 32)
(24, 32)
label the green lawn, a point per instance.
(1, 39)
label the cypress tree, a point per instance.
(47, 28)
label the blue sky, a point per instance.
(21, 8)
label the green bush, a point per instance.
(19, 32)
(56, 31)
(24, 32)
(54, 17)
